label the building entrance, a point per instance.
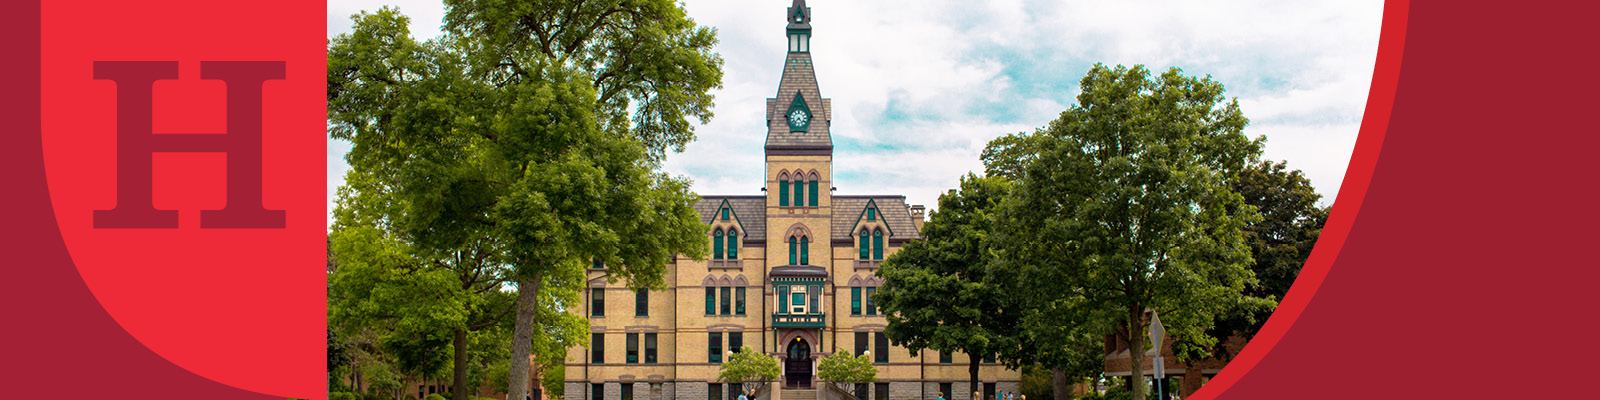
(798, 366)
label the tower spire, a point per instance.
(799, 28)
(798, 117)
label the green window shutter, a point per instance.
(738, 300)
(794, 250)
(799, 192)
(814, 193)
(816, 299)
(724, 214)
(716, 244)
(866, 247)
(855, 301)
(877, 245)
(783, 299)
(711, 300)
(783, 193)
(805, 251)
(733, 244)
(872, 214)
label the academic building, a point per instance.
(792, 274)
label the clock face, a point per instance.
(798, 118)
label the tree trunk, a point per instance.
(1060, 387)
(1136, 353)
(459, 390)
(522, 336)
(972, 372)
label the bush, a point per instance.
(436, 396)
(343, 396)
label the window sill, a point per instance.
(868, 264)
(725, 264)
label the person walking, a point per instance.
(742, 396)
(941, 396)
(976, 395)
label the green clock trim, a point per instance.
(799, 116)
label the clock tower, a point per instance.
(799, 147)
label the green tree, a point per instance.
(1122, 207)
(1279, 245)
(937, 292)
(747, 365)
(843, 368)
(523, 145)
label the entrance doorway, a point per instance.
(798, 365)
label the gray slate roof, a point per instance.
(847, 210)
(750, 210)
(798, 76)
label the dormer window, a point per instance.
(716, 244)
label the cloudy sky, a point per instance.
(919, 87)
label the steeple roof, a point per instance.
(799, 16)
(799, 86)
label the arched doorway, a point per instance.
(798, 364)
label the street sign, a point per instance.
(1156, 331)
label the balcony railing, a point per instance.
(811, 320)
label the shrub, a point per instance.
(435, 396)
(343, 396)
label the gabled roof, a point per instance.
(849, 210)
(751, 212)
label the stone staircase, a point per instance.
(798, 394)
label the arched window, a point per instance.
(733, 244)
(794, 250)
(799, 191)
(805, 251)
(814, 190)
(783, 189)
(877, 244)
(716, 244)
(866, 247)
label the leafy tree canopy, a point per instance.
(1279, 244)
(938, 292)
(522, 146)
(841, 367)
(1122, 206)
(748, 365)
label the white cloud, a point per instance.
(919, 87)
